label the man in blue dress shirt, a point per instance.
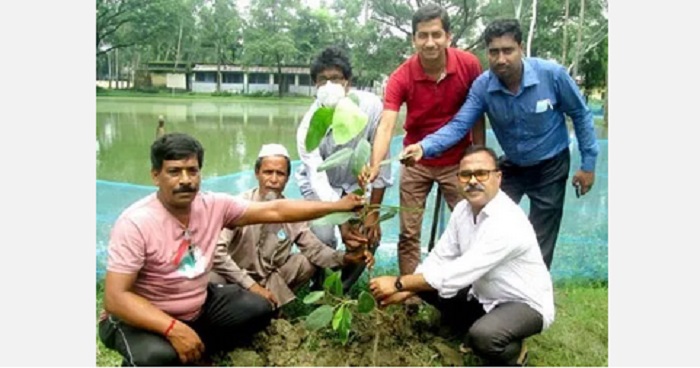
(525, 100)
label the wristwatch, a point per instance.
(398, 285)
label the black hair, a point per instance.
(331, 57)
(429, 12)
(501, 27)
(175, 146)
(478, 148)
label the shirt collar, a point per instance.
(417, 69)
(489, 209)
(529, 78)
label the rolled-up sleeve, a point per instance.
(451, 267)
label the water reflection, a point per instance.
(231, 133)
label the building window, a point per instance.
(209, 77)
(304, 80)
(258, 78)
(235, 77)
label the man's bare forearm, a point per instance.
(377, 195)
(287, 210)
(479, 132)
(136, 311)
(415, 283)
(382, 138)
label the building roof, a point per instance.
(251, 69)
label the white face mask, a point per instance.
(329, 94)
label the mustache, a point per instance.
(474, 188)
(184, 189)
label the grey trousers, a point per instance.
(496, 336)
(230, 316)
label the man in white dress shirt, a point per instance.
(486, 274)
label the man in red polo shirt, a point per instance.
(434, 83)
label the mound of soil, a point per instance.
(401, 340)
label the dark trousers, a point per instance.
(230, 316)
(496, 336)
(545, 186)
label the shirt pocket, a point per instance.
(537, 116)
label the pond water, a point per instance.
(232, 134)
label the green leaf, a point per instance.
(389, 214)
(334, 219)
(313, 297)
(360, 156)
(348, 121)
(321, 120)
(365, 302)
(319, 318)
(333, 285)
(359, 191)
(338, 317)
(336, 159)
(344, 327)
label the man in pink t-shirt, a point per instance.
(159, 308)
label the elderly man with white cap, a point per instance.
(258, 257)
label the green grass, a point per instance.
(578, 337)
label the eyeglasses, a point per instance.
(321, 79)
(480, 175)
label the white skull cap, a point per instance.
(273, 149)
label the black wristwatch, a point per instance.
(398, 285)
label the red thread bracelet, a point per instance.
(172, 324)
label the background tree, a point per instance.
(220, 34)
(268, 38)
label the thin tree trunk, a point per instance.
(116, 66)
(179, 42)
(564, 40)
(578, 39)
(518, 9)
(531, 34)
(109, 71)
(134, 62)
(279, 75)
(218, 68)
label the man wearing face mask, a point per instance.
(331, 70)
(486, 274)
(258, 257)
